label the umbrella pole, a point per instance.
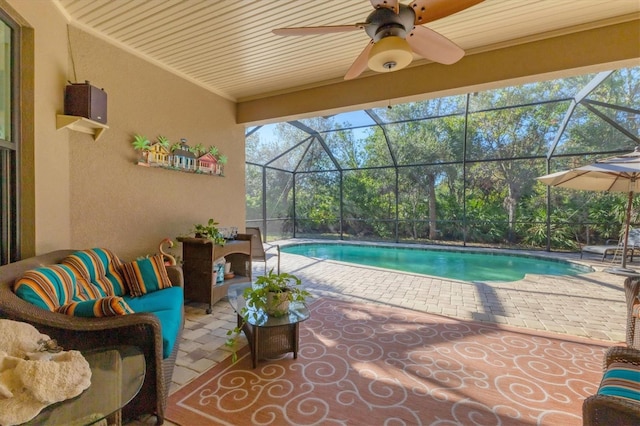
(626, 231)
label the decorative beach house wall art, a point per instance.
(179, 156)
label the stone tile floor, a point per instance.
(590, 305)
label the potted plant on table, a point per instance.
(209, 231)
(270, 294)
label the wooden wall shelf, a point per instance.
(81, 124)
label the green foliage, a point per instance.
(210, 231)
(563, 235)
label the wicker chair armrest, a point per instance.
(621, 354)
(176, 276)
(598, 410)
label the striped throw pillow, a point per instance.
(47, 287)
(104, 307)
(146, 275)
(99, 267)
(622, 380)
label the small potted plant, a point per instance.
(270, 294)
(209, 231)
(273, 292)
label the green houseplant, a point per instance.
(209, 231)
(270, 294)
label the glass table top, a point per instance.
(117, 374)
(298, 311)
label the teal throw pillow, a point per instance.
(146, 275)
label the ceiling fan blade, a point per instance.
(301, 31)
(360, 64)
(430, 10)
(434, 46)
(389, 4)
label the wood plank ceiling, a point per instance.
(227, 46)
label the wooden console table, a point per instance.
(199, 254)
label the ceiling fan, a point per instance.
(396, 33)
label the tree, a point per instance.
(432, 141)
(511, 136)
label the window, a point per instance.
(9, 247)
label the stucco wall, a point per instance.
(91, 193)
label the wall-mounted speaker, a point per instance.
(85, 100)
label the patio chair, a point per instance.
(631, 293)
(633, 245)
(617, 400)
(258, 251)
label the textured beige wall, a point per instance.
(92, 193)
(118, 204)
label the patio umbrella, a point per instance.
(613, 174)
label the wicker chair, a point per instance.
(606, 410)
(631, 291)
(258, 251)
(139, 329)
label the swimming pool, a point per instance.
(454, 264)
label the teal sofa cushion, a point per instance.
(166, 304)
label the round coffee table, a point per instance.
(268, 336)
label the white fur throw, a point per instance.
(28, 385)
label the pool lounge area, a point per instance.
(590, 305)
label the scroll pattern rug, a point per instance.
(362, 364)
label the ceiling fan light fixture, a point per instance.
(391, 53)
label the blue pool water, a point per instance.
(454, 264)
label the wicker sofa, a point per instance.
(141, 329)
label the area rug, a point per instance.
(366, 364)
